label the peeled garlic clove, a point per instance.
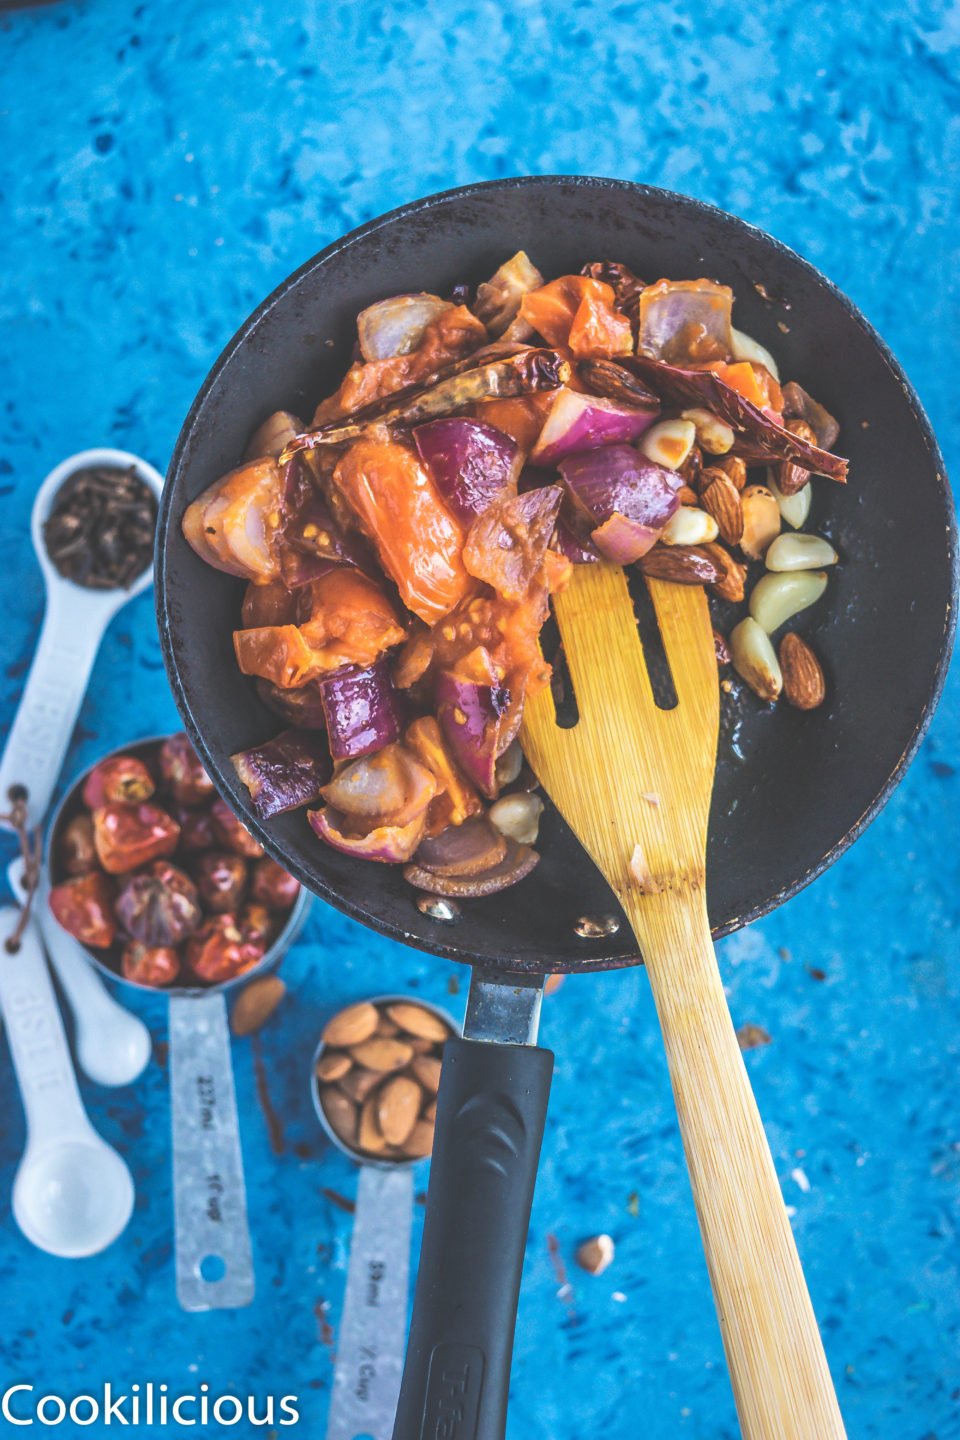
(799, 552)
(689, 526)
(518, 817)
(669, 442)
(713, 434)
(755, 659)
(776, 597)
(761, 520)
(795, 509)
(746, 348)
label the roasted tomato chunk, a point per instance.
(232, 832)
(273, 886)
(221, 880)
(182, 772)
(219, 952)
(155, 965)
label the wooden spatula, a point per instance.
(634, 782)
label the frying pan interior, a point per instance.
(792, 789)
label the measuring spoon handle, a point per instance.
(38, 1045)
(69, 639)
(370, 1340)
(214, 1258)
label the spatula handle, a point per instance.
(781, 1382)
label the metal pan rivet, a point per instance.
(439, 908)
(595, 927)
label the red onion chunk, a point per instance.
(506, 545)
(361, 710)
(389, 844)
(395, 326)
(314, 543)
(585, 422)
(572, 546)
(474, 719)
(619, 485)
(685, 320)
(759, 439)
(622, 540)
(284, 773)
(472, 463)
(388, 788)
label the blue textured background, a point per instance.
(162, 167)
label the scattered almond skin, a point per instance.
(351, 1026)
(721, 499)
(256, 1003)
(398, 1106)
(804, 685)
(419, 1021)
(419, 1142)
(426, 1069)
(752, 1036)
(333, 1065)
(341, 1114)
(357, 1083)
(382, 1053)
(595, 1254)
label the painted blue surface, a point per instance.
(162, 167)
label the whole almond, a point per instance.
(732, 584)
(341, 1113)
(398, 1105)
(683, 564)
(369, 1136)
(358, 1083)
(419, 1142)
(803, 682)
(382, 1052)
(385, 1026)
(350, 1026)
(256, 1003)
(420, 1046)
(333, 1065)
(686, 496)
(733, 466)
(430, 1111)
(418, 1020)
(721, 499)
(427, 1070)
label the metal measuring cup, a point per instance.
(371, 1337)
(213, 1251)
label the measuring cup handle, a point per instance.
(214, 1259)
(490, 1116)
(38, 1045)
(42, 727)
(366, 1380)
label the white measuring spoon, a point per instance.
(73, 627)
(73, 1194)
(113, 1046)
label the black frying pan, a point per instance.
(809, 783)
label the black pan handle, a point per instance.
(490, 1116)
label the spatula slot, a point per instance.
(561, 682)
(654, 653)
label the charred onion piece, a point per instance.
(515, 866)
(520, 374)
(759, 438)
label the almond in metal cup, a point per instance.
(371, 1338)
